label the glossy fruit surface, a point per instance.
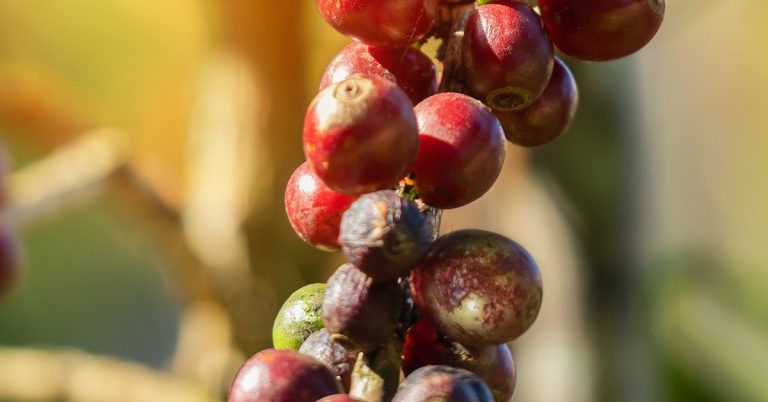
(461, 150)
(314, 209)
(9, 259)
(340, 360)
(384, 235)
(444, 384)
(338, 398)
(360, 135)
(299, 317)
(411, 69)
(282, 376)
(364, 313)
(494, 364)
(507, 54)
(549, 116)
(478, 288)
(389, 23)
(601, 30)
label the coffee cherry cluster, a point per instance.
(386, 152)
(8, 251)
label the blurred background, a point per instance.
(150, 143)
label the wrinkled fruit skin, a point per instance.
(365, 313)
(282, 376)
(444, 384)
(340, 360)
(360, 135)
(299, 317)
(602, 30)
(411, 69)
(338, 398)
(384, 235)
(314, 209)
(9, 259)
(507, 54)
(494, 364)
(392, 23)
(478, 288)
(461, 150)
(549, 116)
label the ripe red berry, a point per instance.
(549, 116)
(507, 54)
(391, 23)
(601, 30)
(338, 398)
(8, 259)
(314, 209)
(478, 288)
(282, 376)
(412, 70)
(360, 135)
(461, 150)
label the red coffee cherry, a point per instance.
(314, 209)
(360, 135)
(461, 150)
(391, 23)
(600, 30)
(478, 288)
(507, 54)
(549, 116)
(282, 376)
(412, 70)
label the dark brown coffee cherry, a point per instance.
(384, 235)
(478, 288)
(282, 376)
(360, 313)
(444, 384)
(340, 360)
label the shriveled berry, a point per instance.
(461, 150)
(360, 135)
(478, 287)
(282, 376)
(9, 259)
(601, 30)
(549, 116)
(443, 383)
(314, 209)
(412, 70)
(380, 23)
(359, 313)
(341, 361)
(494, 364)
(507, 54)
(299, 317)
(384, 235)
(338, 398)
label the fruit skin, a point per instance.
(411, 69)
(299, 317)
(461, 150)
(314, 209)
(360, 135)
(359, 313)
(9, 259)
(443, 383)
(384, 235)
(507, 54)
(549, 116)
(282, 376)
(602, 29)
(494, 364)
(392, 23)
(478, 288)
(340, 360)
(338, 398)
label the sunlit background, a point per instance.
(150, 145)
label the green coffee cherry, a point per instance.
(299, 317)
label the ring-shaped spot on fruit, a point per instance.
(508, 99)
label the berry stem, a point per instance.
(455, 17)
(376, 375)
